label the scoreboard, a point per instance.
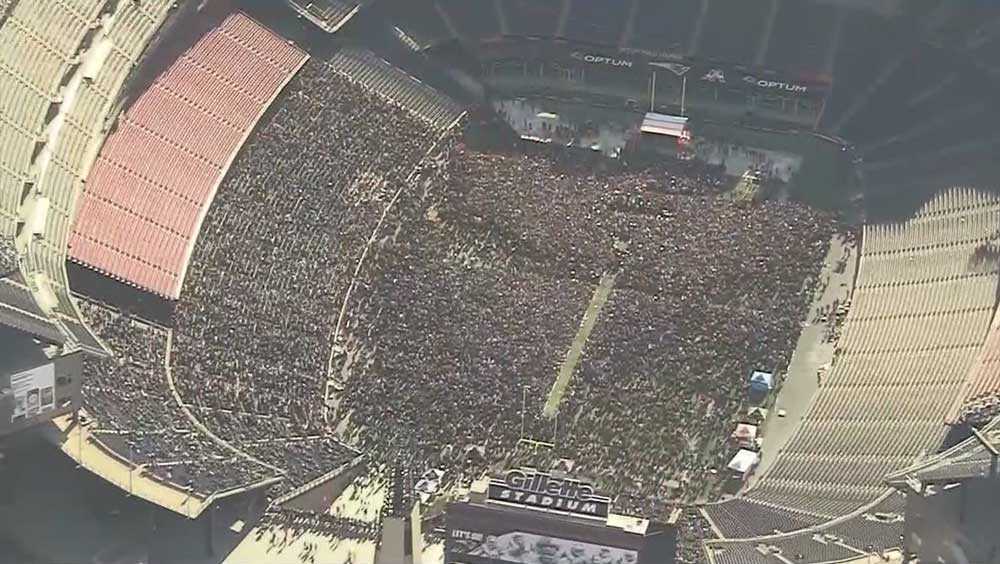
(519, 520)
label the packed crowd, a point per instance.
(274, 258)
(137, 417)
(129, 399)
(472, 305)
(470, 297)
(252, 330)
(692, 531)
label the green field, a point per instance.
(568, 366)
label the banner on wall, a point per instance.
(34, 392)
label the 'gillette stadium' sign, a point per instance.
(543, 491)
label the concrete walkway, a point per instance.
(811, 354)
(568, 366)
(362, 499)
(77, 442)
(275, 545)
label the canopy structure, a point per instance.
(744, 461)
(664, 124)
(745, 435)
(761, 381)
(329, 15)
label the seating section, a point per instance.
(596, 21)
(921, 308)
(733, 30)
(376, 75)
(474, 19)
(740, 553)
(869, 535)
(921, 69)
(39, 48)
(277, 441)
(921, 114)
(961, 22)
(65, 67)
(945, 160)
(277, 253)
(876, 530)
(812, 548)
(664, 27)
(138, 419)
(535, 18)
(914, 134)
(421, 22)
(743, 518)
(919, 314)
(158, 171)
(859, 61)
(968, 459)
(8, 256)
(802, 36)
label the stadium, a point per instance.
(299, 281)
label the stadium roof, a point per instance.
(157, 173)
(329, 15)
(969, 459)
(19, 311)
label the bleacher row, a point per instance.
(921, 112)
(781, 34)
(32, 68)
(67, 63)
(919, 315)
(799, 548)
(158, 171)
(870, 532)
(926, 112)
(376, 75)
(19, 310)
(746, 518)
(136, 417)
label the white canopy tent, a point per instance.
(664, 124)
(744, 461)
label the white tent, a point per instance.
(663, 124)
(744, 461)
